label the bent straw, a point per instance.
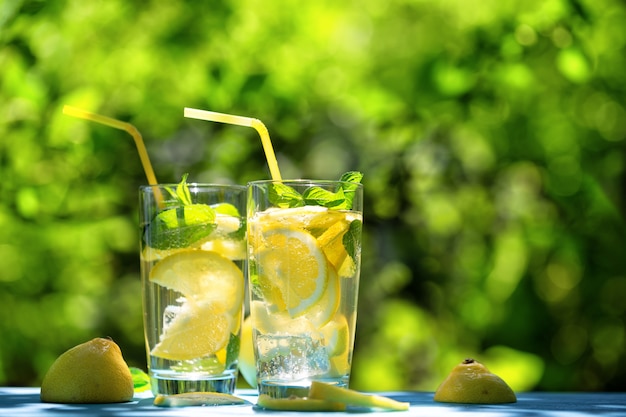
(256, 124)
(132, 130)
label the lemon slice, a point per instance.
(293, 271)
(268, 322)
(199, 329)
(320, 313)
(337, 338)
(315, 219)
(201, 275)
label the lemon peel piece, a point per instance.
(322, 391)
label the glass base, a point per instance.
(187, 383)
(285, 389)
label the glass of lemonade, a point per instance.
(304, 251)
(193, 250)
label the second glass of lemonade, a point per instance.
(304, 252)
(193, 250)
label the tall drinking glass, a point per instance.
(192, 262)
(304, 251)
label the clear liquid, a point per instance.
(292, 352)
(202, 374)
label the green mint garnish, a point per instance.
(351, 179)
(284, 196)
(351, 238)
(181, 193)
(226, 209)
(316, 196)
(183, 223)
(232, 351)
(141, 380)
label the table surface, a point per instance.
(18, 402)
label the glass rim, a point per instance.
(303, 181)
(192, 185)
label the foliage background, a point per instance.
(491, 135)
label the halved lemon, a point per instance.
(293, 270)
(198, 330)
(201, 275)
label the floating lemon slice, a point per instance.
(268, 322)
(247, 364)
(315, 219)
(199, 329)
(337, 338)
(320, 313)
(293, 274)
(201, 275)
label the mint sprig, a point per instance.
(182, 193)
(283, 196)
(182, 223)
(141, 380)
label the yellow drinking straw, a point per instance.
(256, 124)
(132, 130)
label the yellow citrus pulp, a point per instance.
(201, 275)
(294, 273)
(337, 340)
(214, 288)
(198, 330)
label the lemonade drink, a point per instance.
(304, 247)
(192, 263)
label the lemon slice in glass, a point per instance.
(321, 312)
(337, 340)
(199, 329)
(201, 275)
(293, 271)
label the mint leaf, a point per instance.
(352, 176)
(320, 197)
(182, 193)
(141, 380)
(351, 180)
(284, 196)
(227, 209)
(232, 351)
(180, 227)
(351, 239)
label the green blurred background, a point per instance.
(491, 135)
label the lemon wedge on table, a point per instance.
(471, 382)
(92, 372)
(327, 397)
